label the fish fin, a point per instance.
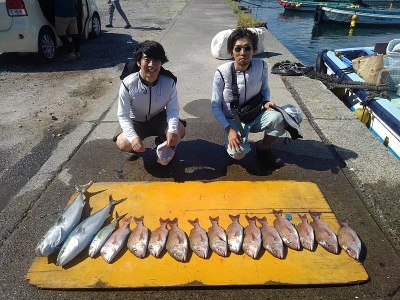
(118, 218)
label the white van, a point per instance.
(28, 26)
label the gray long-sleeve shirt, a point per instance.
(250, 83)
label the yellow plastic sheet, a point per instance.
(190, 200)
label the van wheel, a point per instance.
(96, 26)
(46, 45)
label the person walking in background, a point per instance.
(66, 24)
(114, 5)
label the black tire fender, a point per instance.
(320, 66)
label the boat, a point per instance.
(380, 112)
(311, 6)
(357, 16)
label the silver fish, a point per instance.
(306, 233)
(84, 233)
(324, 235)
(158, 238)
(349, 240)
(116, 241)
(286, 230)
(139, 238)
(234, 233)
(217, 238)
(103, 235)
(63, 225)
(177, 242)
(252, 238)
(198, 239)
(272, 241)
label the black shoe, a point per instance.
(159, 140)
(131, 156)
(269, 158)
(109, 26)
(127, 26)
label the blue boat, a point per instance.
(381, 115)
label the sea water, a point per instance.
(297, 32)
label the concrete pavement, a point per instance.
(357, 176)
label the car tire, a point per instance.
(47, 45)
(96, 26)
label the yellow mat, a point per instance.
(191, 200)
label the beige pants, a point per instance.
(66, 26)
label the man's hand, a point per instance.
(234, 139)
(172, 139)
(269, 105)
(137, 145)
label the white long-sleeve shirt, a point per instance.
(250, 83)
(140, 102)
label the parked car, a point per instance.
(28, 26)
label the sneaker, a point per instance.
(127, 26)
(70, 57)
(269, 158)
(131, 156)
(108, 25)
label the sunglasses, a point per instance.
(245, 48)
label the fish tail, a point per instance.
(139, 220)
(277, 212)
(173, 222)
(118, 218)
(115, 202)
(234, 218)
(314, 214)
(192, 222)
(344, 222)
(262, 220)
(82, 188)
(252, 219)
(216, 219)
(127, 220)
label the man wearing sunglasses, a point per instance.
(252, 79)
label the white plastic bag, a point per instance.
(164, 153)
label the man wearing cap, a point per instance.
(148, 103)
(244, 79)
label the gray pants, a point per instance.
(115, 5)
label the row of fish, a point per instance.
(73, 238)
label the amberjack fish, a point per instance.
(63, 225)
(324, 235)
(116, 241)
(349, 240)
(286, 230)
(177, 242)
(84, 233)
(271, 240)
(306, 233)
(103, 235)
(217, 238)
(139, 238)
(252, 238)
(198, 239)
(158, 238)
(234, 233)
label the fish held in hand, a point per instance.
(139, 238)
(252, 238)
(271, 240)
(63, 225)
(158, 238)
(102, 236)
(234, 233)
(198, 239)
(84, 233)
(306, 233)
(287, 231)
(116, 241)
(324, 235)
(349, 240)
(177, 242)
(217, 238)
